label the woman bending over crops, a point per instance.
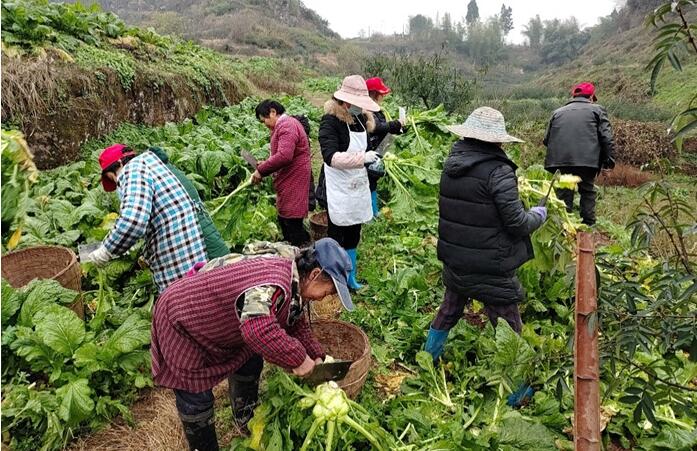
(484, 230)
(155, 207)
(343, 185)
(230, 316)
(377, 91)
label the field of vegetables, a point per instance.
(63, 377)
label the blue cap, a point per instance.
(335, 261)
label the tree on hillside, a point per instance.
(485, 42)
(447, 24)
(420, 25)
(562, 41)
(472, 12)
(506, 19)
(534, 31)
(427, 80)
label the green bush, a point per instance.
(423, 80)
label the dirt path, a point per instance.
(157, 426)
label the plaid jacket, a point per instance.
(291, 167)
(197, 336)
(155, 207)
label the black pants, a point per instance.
(294, 232)
(454, 304)
(586, 190)
(347, 236)
(197, 407)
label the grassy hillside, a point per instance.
(617, 63)
(71, 73)
(252, 27)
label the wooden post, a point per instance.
(586, 361)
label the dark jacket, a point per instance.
(382, 128)
(334, 137)
(483, 231)
(579, 134)
(215, 245)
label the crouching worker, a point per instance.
(236, 312)
(484, 230)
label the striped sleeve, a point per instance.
(136, 205)
(265, 336)
(301, 330)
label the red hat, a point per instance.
(109, 156)
(376, 84)
(584, 89)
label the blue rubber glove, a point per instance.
(542, 211)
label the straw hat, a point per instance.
(354, 91)
(484, 124)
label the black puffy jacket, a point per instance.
(484, 230)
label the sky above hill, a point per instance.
(390, 16)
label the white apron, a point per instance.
(348, 191)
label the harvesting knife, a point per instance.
(83, 250)
(249, 158)
(386, 142)
(325, 372)
(555, 177)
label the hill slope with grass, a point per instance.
(616, 61)
(250, 27)
(71, 73)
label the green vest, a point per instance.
(215, 246)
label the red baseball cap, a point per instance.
(109, 156)
(376, 84)
(584, 89)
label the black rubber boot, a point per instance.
(200, 431)
(244, 397)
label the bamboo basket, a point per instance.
(319, 224)
(346, 341)
(328, 308)
(45, 262)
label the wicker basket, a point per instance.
(319, 224)
(44, 262)
(328, 308)
(343, 340)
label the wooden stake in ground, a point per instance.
(586, 361)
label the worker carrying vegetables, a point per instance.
(154, 206)
(579, 141)
(235, 312)
(290, 164)
(343, 187)
(377, 91)
(484, 230)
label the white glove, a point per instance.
(99, 256)
(371, 156)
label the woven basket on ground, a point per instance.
(319, 225)
(328, 308)
(345, 341)
(44, 262)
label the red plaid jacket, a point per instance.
(197, 339)
(290, 163)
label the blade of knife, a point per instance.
(384, 144)
(83, 250)
(555, 177)
(249, 158)
(332, 371)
